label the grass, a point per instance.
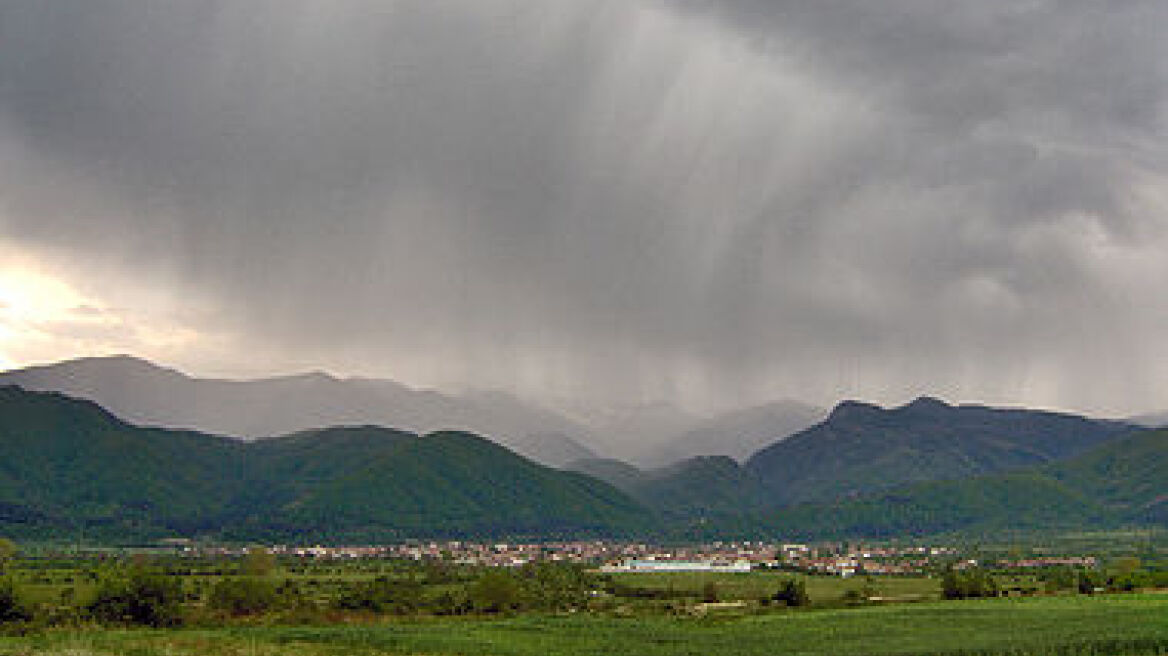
(823, 590)
(1044, 626)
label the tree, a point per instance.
(148, 599)
(871, 587)
(792, 592)
(12, 609)
(382, 595)
(243, 596)
(8, 551)
(259, 562)
(555, 586)
(1091, 580)
(1059, 578)
(495, 592)
(969, 584)
(951, 585)
(710, 592)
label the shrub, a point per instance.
(449, 603)
(258, 562)
(970, 584)
(1090, 581)
(853, 596)
(1059, 578)
(12, 609)
(555, 586)
(792, 592)
(495, 592)
(146, 599)
(8, 551)
(243, 596)
(710, 592)
(382, 595)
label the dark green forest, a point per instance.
(70, 470)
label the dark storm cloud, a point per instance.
(711, 201)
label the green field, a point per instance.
(1108, 624)
(823, 590)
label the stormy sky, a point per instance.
(708, 202)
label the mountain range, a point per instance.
(860, 449)
(67, 467)
(1121, 482)
(650, 434)
(141, 392)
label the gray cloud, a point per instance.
(713, 202)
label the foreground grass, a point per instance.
(1120, 624)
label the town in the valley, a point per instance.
(837, 559)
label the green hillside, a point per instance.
(456, 483)
(69, 468)
(1129, 475)
(67, 465)
(863, 448)
(1124, 481)
(693, 488)
(842, 466)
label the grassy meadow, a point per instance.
(1079, 625)
(823, 590)
(258, 605)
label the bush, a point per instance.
(258, 562)
(1059, 578)
(449, 603)
(854, 596)
(12, 609)
(495, 592)
(1091, 581)
(970, 584)
(146, 599)
(792, 592)
(8, 551)
(555, 587)
(382, 595)
(243, 596)
(710, 592)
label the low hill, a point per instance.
(1121, 482)
(68, 467)
(693, 488)
(701, 486)
(455, 483)
(861, 448)
(144, 393)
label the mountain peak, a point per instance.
(926, 403)
(309, 377)
(119, 364)
(851, 408)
